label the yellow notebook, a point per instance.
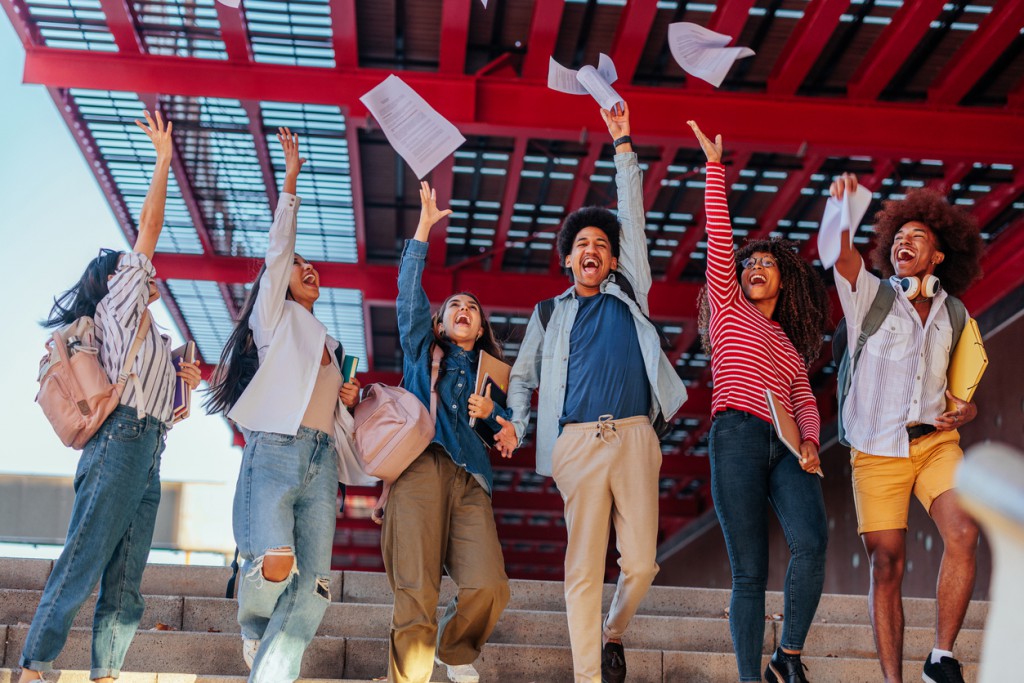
(967, 364)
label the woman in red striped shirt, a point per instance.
(762, 316)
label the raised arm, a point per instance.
(850, 262)
(151, 219)
(412, 305)
(633, 261)
(281, 246)
(723, 285)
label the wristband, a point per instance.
(623, 140)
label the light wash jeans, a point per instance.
(117, 492)
(750, 468)
(286, 498)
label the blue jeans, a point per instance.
(285, 499)
(117, 492)
(749, 467)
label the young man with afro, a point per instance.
(902, 438)
(603, 378)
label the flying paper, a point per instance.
(702, 52)
(418, 133)
(230, 3)
(839, 217)
(587, 81)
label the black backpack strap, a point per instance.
(544, 310)
(230, 593)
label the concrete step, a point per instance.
(82, 676)
(365, 659)
(373, 588)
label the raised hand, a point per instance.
(429, 213)
(159, 134)
(712, 150)
(292, 161)
(617, 120)
(842, 185)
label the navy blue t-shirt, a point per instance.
(606, 366)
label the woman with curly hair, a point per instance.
(764, 311)
(902, 438)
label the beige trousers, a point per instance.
(607, 473)
(438, 516)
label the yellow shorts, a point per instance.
(882, 485)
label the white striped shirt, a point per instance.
(900, 378)
(117, 321)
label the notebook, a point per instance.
(786, 427)
(967, 364)
(499, 397)
(348, 368)
(499, 372)
(182, 391)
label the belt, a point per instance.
(917, 431)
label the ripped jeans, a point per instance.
(285, 500)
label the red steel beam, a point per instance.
(344, 33)
(355, 174)
(442, 180)
(994, 203)
(955, 172)
(540, 45)
(18, 13)
(891, 49)
(1003, 268)
(578, 194)
(235, 34)
(657, 173)
(512, 179)
(259, 138)
(454, 35)
(677, 264)
(811, 35)
(496, 106)
(977, 54)
(631, 37)
(670, 302)
(122, 26)
(729, 18)
(784, 199)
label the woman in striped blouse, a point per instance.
(117, 485)
(762, 317)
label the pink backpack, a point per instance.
(392, 428)
(74, 391)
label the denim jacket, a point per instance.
(545, 353)
(454, 384)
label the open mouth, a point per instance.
(462, 319)
(309, 279)
(758, 279)
(590, 265)
(903, 255)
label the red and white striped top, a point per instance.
(750, 352)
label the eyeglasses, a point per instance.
(765, 261)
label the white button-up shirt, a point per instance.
(900, 379)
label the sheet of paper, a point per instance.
(595, 82)
(418, 133)
(702, 52)
(230, 3)
(840, 217)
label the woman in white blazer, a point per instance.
(279, 380)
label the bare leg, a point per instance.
(956, 574)
(29, 675)
(887, 552)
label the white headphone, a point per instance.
(926, 287)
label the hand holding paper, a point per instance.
(587, 81)
(703, 53)
(843, 213)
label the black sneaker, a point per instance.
(947, 670)
(784, 668)
(613, 663)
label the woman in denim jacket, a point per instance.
(117, 485)
(439, 511)
(280, 381)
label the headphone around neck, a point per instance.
(925, 288)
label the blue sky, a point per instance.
(54, 220)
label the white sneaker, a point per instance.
(460, 673)
(250, 646)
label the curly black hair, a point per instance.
(803, 310)
(955, 230)
(588, 217)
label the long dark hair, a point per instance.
(83, 297)
(238, 361)
(803, 309)
(488, 341)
